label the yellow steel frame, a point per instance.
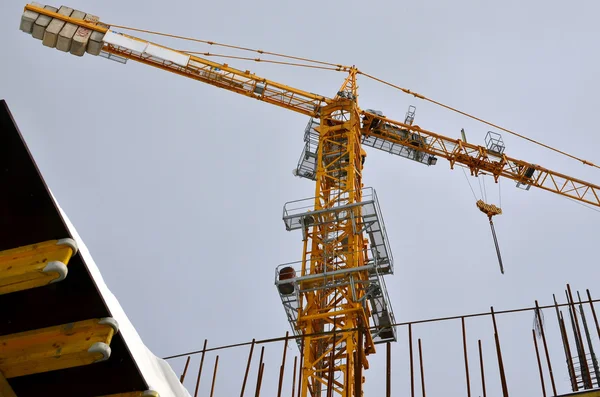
(334, 360)
(480, 160)
(332, 245)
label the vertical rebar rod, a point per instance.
(214, 379)
(200, 368)
(388, 370)
(595, 322)
(247, 368)
(282, 368)
(570, 360)
(422, 371)
(538, 311)
(537, 355)
(359, 356)
(355, 356)
(187, 363)
(593, 311)
(330, 371)
(347, 378)
(260, 369)
(499, 353)
(464, 337)
(410, 354)
(578, 347)
(482, 370)
(589, 340)
(294, 377)
(566, 346)
(585, 370)
(259, 380)
(300, 370)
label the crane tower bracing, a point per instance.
(335, 296)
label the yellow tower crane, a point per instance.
(335, 298)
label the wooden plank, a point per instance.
(5, 389)
(35, 265)
(64, 346)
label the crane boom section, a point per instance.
(194, 67)
(478, 158)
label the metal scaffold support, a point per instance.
(336, 292)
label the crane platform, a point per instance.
(292, 284)
(364, 217)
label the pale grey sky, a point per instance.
(177, 187)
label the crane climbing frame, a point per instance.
(337, 298)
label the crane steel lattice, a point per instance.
(335, 297)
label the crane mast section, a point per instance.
(478, 158)
(200, 69)
(333, 361)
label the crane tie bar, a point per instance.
(336, 66)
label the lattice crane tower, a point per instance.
(335, 297)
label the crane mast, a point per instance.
(335, 297)
(334, 243)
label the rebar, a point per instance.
(591, 302)
(499, 353)
(546, 351)
(566, 346)
(410, 355)
(294, 377)
(259, 380)
(422, 371)
(187, 363)
(351, 330)
(537, 355)
(585, 370)
(358, 372)
(482, 369)
(589, 341)
(464, 335)
(300, 370)
(282, 368)
(330, 372)
(261, 367)
(247, 368)
(214, 379)
(200, 368)
(388, 370)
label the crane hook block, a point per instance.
(488, 209)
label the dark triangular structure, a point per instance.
(29, 215)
